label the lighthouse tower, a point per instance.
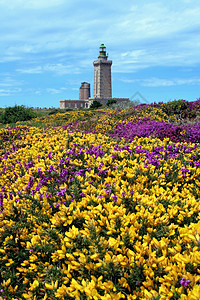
(102, 75)
(102, 85)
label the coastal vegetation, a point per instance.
(101, 204)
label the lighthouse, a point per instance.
(102, 75)
(102, 85)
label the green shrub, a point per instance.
(181, 109)
(95, 104)
(58, 110)
(1, 116)
(17, 113)
(176, 107)
(54, 111)
(66, 109)
(111, 101)
(123, 105)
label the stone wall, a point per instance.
(103, 101)
(74, 104)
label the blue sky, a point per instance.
(48, 49)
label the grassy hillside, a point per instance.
(102, 204)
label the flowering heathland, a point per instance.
(102, 207)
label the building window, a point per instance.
(86, 105)
(75, 104)
(68, 104)
(81, 104)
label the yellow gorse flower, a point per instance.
(85, 216)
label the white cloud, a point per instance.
(37, 92)
(4, 92)
(155, 82)
(132, 61)
(33, 70)
(134, 56)
(162, 31)
(59, 69)
(55, 91)
(9, 92)
(155, 19)
(31, 4)
(10, 86)
(158, 82)
(10, 58)
(59, 37)
(6, 81)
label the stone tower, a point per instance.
(102, 75)
(84, 91)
